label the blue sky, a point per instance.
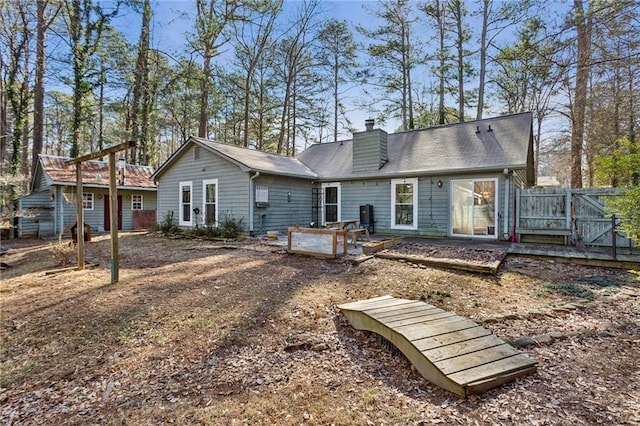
(173, 19)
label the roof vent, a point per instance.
(477, 129)
(489, 129)
(369, 123)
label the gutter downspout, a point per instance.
(251, 203)
(506, 215)
(59, 211)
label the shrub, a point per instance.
(168, 224)
(230, 227)
(626, 206)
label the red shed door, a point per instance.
(107, 215)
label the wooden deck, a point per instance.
(450, 351)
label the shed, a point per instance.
(50, 207)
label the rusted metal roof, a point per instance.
(94, 173)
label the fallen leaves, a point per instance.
(251, 336)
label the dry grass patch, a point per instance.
(195, 335)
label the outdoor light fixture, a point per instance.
(288, 197)
(439, 183)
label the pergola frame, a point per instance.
(113, 204)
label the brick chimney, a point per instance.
(369, 148)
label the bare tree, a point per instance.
(461, 35)
(294, 48)
(337, 53)
(437, 10)
(44, 21)
(395, 57)
(16, 41)
(85, 22)
(583, 26)
(253, 39)
(211, 20)
(139, 132)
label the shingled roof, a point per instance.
(248, 159)
(488, 144)
(94, 173)
(483, 145)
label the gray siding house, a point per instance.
(456, 180)
(50, 208)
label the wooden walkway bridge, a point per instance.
(450, 351)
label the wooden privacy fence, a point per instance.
(568, 216)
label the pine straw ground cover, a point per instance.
(195, 334)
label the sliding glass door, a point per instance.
(474, 207)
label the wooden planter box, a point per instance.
(317, 242)
(376, 246)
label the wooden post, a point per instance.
(113, 217)
(79, 217)
(568, 222)
(113, 203)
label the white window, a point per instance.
(331, 202)
(474, 207)
(87, 200)
(404, 204)
(185, 204)
(262, 194)
(210, 201)
(136, 202)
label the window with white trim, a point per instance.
(136, 202)
(262, 194)
(87, 200)
(404, 203)
(210, 201)
(185, 204)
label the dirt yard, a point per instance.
(196, 333)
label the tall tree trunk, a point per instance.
(25, 166)
(336, 97)
(78, 55)
(204, 97)
(408, 66)
(403, 106)
(140, 78)
(4, 125)
(38, 92)
(483, 59)
(285, 113)
(583, 30)
(633, 114)
(102, 81)
(442, 33)
(247, 95)
(460, 49)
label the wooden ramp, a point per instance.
(450, 351)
